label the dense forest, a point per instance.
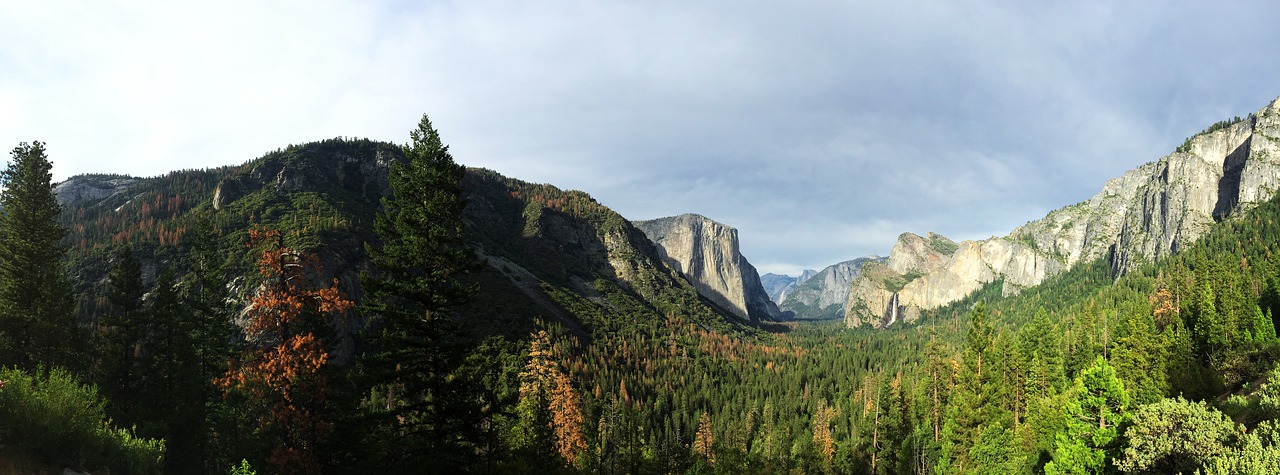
(295, 315)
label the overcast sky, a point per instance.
(821, 130)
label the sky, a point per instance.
(821, 130)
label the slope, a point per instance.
(1149, 213)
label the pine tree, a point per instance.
(1095, 410)
(171, 387)
(532, 437)
(413, 293)
(37, 324)
(117, 370)
(704, 440)
(971, 404)
(1141, 357)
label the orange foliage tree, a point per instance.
(285, 368)
(704, 440)
(549, 404)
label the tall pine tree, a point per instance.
(412, 295)
(117, 369)
(37, 324)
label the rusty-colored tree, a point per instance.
(548, 406)
(704, 440)
(285, 368)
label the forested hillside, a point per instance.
(352, 306)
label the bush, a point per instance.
(61, 420)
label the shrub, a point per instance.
(59, 419)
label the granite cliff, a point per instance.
(706, 252)
(822, 295)
(1144, 215)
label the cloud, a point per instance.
(820, 130)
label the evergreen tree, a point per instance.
(125, 282)
(37, 323)
(1208, 330)
(1096, 409)
(1141, 357)
(172, 386)
(972, 404)
(413, 293)
(116, 368)
(209, 310)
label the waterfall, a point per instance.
(891, 313)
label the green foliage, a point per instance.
(942, 245)
(415, 287)
(1257, 454)
(243, 469)
(1096, 409)
(895, 284)
(37, 327)
(63, 420)
(1141, 357)
(1174, 435)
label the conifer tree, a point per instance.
(116, 369)
(37, 324)
(413, 293)
(1141, 359)
(971, 405)
(704, 440)
(1095, 409)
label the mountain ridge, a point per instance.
(1146, 214)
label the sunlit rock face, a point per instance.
(1147, 214)
(706, 252)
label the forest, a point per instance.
(461, 322)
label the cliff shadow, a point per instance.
(1229, 185)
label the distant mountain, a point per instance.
(1147, 214)
(777, 285)
(707, 253)
(822, 295)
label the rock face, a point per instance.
(85, 188)
(778, 285)
(873, 295)
(706, 252)
(317, 167)
(823, 294)
(1147, 214)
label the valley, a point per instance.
(350, 305)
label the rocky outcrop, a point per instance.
(1147, 214)
(913, 253)
(872, 296)
(85, 188)
(706, 252)
(823, 294)
(357, 168)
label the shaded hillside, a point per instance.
(551, 254)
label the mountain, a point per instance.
(706, 252)
(1145, 215)
(822, 295)
(548, 253)
(777, 285)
